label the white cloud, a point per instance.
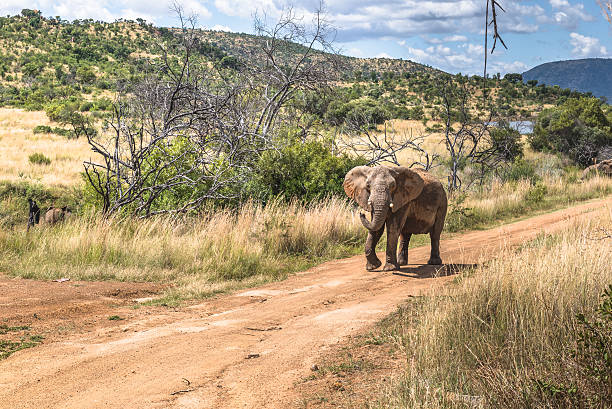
(106, 10)
(354, 52)
(568, 15)
(219, 27)
(455, 37)
(383, 55)
(585, 46)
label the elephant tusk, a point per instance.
(391, 205)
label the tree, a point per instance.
(67, 113)
(578, 128)
(191, 134)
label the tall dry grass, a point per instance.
(504, 336)
(18, 142)
(501, 201)
(217, 252)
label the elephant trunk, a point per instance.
(380, 207)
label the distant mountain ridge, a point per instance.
(586, 75)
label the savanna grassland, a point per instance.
(220, 250)
(529, 328)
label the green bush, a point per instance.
(42, 129)
(536, 194)
(39, 159)
(506, 141)
(522, 169)
(577, 128)
(306, 171)
(86, 106)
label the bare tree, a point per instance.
(360, 139)
(190, 133)
(479, 143)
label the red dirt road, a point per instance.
(242, 350)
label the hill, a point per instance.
(587, 75)
(49, 60)
(246, 46)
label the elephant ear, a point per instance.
(355, 185)
(409, 185)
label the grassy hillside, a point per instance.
(587, 75)
(49, 59)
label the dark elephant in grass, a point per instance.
(407, 201)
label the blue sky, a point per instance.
(444, 34)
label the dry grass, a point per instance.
(199, 257)
(503, 336)
(18, 142)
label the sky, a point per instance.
(444, 34)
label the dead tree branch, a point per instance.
(359, 139)
(189, 134)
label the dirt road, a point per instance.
(242, 350)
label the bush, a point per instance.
(86, 106)
(306, 171)
(536, 194)
(577, 128)
(42, 129)
(522, 169)
(39, 159)
(506, 142)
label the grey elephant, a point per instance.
(56, 214)
(604, 167)
(407, 201)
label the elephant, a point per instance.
(408, 201)
(604, 167)
(57, 214)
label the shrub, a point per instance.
(306, 171)
(39, 159)
(577, 128)
(522, 169)
(42, 129)
(506, 142)
(536, 193)
(86, 106)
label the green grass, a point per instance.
(18, 341)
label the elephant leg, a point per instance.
(370, 249)
(402, 258)
(434, 235)
(393, 233)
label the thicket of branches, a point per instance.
(191, 133)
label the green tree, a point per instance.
(67, 113)
(578, 128)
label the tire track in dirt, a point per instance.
(246, 349)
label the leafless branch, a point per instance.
(189, 133)
(359, 139)
(606, 9)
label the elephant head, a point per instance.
(381, 188)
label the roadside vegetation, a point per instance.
(222, 186)
(531, 328)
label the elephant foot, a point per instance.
(402, 260)
(373, 265)
(435, 261)
(390, 267)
